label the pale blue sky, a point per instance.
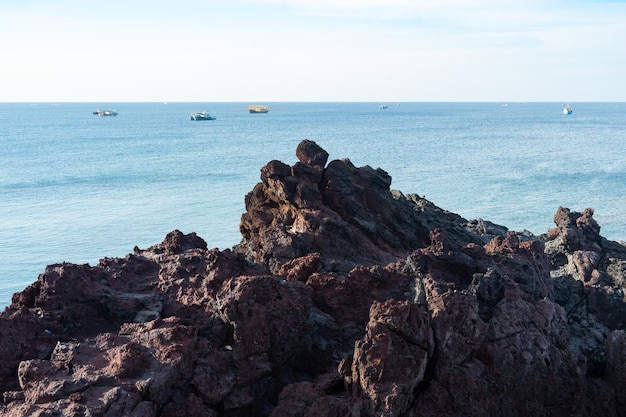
(326, 50)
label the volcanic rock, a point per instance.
(344, 298)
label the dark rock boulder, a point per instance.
(589, 275)
(347, 214)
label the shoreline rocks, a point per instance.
(344, 298)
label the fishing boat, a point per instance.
(567, 109)
(108, 112)
(201, 115)
(255, 108)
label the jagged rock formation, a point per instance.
(344, 298)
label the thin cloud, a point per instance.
(324, 50)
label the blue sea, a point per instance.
(76, 187)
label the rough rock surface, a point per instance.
(344, 298)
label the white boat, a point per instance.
(108, 112)
(382, 106)
(567, 109)
(201, 115)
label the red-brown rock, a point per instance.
(344, 299)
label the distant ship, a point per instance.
(108, 112)
(382, 106)
(254, 108)
(567, 109)
(201, 115)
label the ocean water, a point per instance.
(75, 187)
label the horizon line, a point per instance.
(308, 101)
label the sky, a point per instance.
(314, 50)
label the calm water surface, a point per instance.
(76, 187)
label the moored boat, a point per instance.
(201, 115)
(255, 108)
(567, 109)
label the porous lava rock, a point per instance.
(344, 298)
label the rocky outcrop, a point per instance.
(589, 273)
(344, 298)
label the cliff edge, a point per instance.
(344, 298)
